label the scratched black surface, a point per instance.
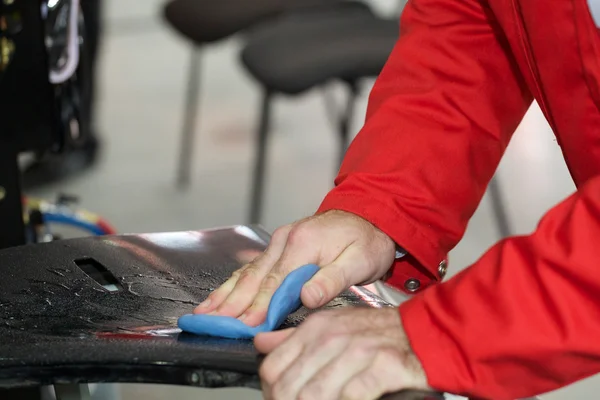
(53, 314)
(57, 325)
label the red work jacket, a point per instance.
(525, 318)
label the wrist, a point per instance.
(399, 254)
(416, 375)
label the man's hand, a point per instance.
(349, 250)
(343, 354)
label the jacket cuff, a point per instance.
(434, 349)
(423, 266)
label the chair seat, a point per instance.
(300, 51)
(205, 21)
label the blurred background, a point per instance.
(146, 74)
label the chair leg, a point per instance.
(260, 159)
(498, 208)
(72, 392)
(345, 123)
(189, 120)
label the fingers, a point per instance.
(286, 354)
(256, 311)
(331, 358)
(219, 295)
(238, 292)
(280, 359)
(380, 378)
(329, 382)
(348, 269)
(304, 368)
(341, 244)
(241, 296)
(265, 343)
(297, 253)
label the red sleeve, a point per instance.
(525, 319)
(439, 119)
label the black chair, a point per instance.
(206, 22)
(320, 41)
(298, 52)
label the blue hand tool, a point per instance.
(285, 301)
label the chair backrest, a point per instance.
(206, 21)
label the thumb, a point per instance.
(347, 270)
(268, 341)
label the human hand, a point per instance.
(351, 353)
(349, 250)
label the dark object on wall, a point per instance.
(28, 117)
(76, 155)
(27, 101)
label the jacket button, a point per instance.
(443, 268)
(412, 285)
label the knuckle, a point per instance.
(300, 234)
(249, 273)
(280, 234)
(215, 295)
(360, 352)
(266, 373)
(271, 282)
(256, 262)
(330, 339)
(238, 272)
(224, 289)
(392, 358)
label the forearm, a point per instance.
(439, 119)
(525, 318)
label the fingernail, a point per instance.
(212, 313)
(242, 317)
(314, 290)
(205, 303)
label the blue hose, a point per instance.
(70, 220)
